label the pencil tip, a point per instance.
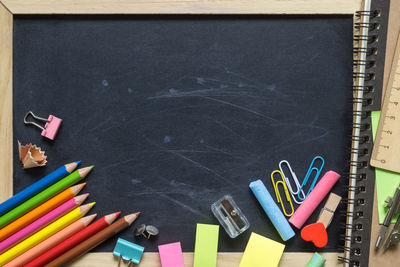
(88, 219)
(85, 208)
(80, 199)
(111, 217)
(78, 162)
(77, 188)
(131, 217)
(85, 171)
(70, 166)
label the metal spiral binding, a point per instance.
(364, 139)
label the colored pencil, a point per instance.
(73, 241)
(38, 199)
(35, 188)
(94, 240)
(42, 222)
(49, 230)
(41, 210)
(50, 242)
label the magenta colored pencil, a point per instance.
(42, 222)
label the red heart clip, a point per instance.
(315, 233)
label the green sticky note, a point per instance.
(206, 246)
(261, 252)
(386, 181)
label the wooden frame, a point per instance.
(9, 8)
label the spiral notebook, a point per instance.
(370, 42)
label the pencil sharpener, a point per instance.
(230, 216)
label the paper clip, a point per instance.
(51, 127)
(296, 181)
(128, 251)
(278, 195)
(309, 172)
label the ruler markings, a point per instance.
(386, 151)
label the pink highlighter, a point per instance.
(322, 188)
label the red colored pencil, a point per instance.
(72, 241)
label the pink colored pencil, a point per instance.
(50, 242)
(42, 222)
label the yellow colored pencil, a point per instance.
(45, 233)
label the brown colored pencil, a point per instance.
(94, 241)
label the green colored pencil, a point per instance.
(38, 199)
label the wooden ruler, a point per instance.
(386, 151)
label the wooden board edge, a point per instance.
(151, 259)
(141, 7)
(182, 7)
(6, 116)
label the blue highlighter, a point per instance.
(272, 210)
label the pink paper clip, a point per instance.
(51, 127)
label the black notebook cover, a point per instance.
(358, 233)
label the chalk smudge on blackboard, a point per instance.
(183, 205)
(172, 91)
(167, 139)
(104, 83)
(130, 90)
(201, 166)
(135, 181)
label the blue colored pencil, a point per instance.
(37, 187)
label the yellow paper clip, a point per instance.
(278, 195)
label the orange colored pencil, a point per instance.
(41, 210)
(52, 241)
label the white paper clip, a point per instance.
(296, 182)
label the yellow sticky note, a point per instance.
(261, 252)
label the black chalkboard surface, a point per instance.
(176, 112)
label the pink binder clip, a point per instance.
(51, 127)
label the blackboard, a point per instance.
(176, 112)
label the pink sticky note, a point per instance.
(171, 255)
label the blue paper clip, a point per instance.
(309, 172)
(128, 251)
(296, 182)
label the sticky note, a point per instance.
(171, 255)
(261, 252)
(386, 181)
(206, 246)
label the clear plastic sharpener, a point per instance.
(230, 216)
